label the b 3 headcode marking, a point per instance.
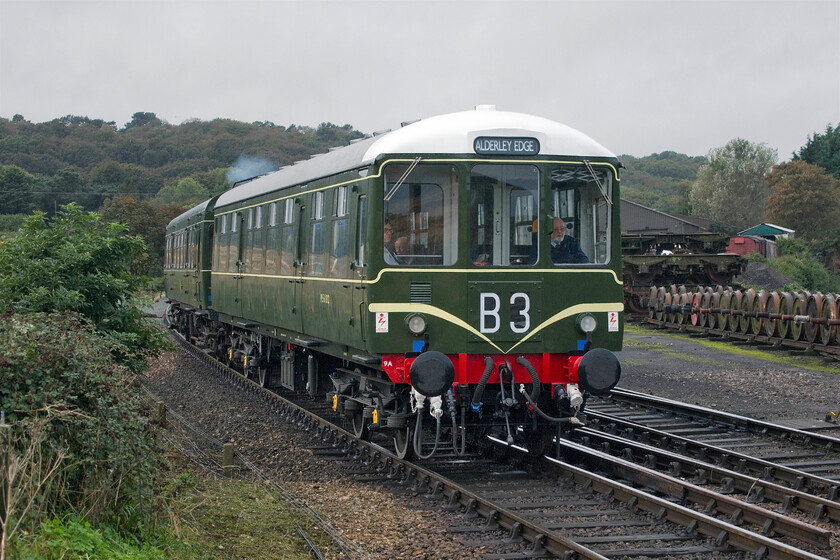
(490, 320)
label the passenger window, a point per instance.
(361, 233)
(287, 238)
(258, 245)
(272, 237)
(339, 259)
(504, 223)
(316, 245)
(420, 209)
(580, 212)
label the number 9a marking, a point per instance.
(490, 321)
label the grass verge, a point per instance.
(202, 517)
(809, 362)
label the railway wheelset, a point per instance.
(795, 317)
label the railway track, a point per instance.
(589, 504)
(801, 469)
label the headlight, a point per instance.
(586, 323)
(416, 323)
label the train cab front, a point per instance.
(494, 290)
(454, 400)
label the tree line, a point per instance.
(145, 173)
(148, 172)
(83, 160)
(740, 185)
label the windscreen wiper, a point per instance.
(604, 192)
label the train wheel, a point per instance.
(360, 425)
(652, 302)
(785, 308)
(723, 318)
(829, 311)
(771, 307)
(261, 375)
(814, 309)
(734, 308)
(745, 307)
(660, 302)
(402, 443)
(539, 442)
(800, 303)
(714, 301)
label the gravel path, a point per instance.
(387, 525)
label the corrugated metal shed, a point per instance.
(638, 219)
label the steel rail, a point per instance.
(828, 443)
(797, 479)
(755, 489)
(723, 532)
(685, 492)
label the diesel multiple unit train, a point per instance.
(456, 277)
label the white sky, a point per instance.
(638, 76)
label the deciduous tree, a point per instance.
(16, 186)
(147, 220)
(185, 193)
(731, 189)
(804, 198)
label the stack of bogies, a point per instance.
(802, 317)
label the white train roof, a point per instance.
(454, 133)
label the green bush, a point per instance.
(72, 537)
(65, 397)
(79, 262)
(801, 265)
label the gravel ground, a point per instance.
(387, 525)
(778, 386)
(374, 518)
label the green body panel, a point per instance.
(556, 299)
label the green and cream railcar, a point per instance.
(413, 274)
(186, 267)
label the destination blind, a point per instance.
(506, 146)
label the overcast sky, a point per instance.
(638, 76)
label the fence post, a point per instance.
(5, 458)
(227, 459)
(161, 413)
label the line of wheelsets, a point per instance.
(799, 318)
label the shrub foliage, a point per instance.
(59, 379)
(81, 263)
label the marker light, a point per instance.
(416, 323)
(586, 323)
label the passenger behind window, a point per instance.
(564, 247)
(387, 252)
(401, 250)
